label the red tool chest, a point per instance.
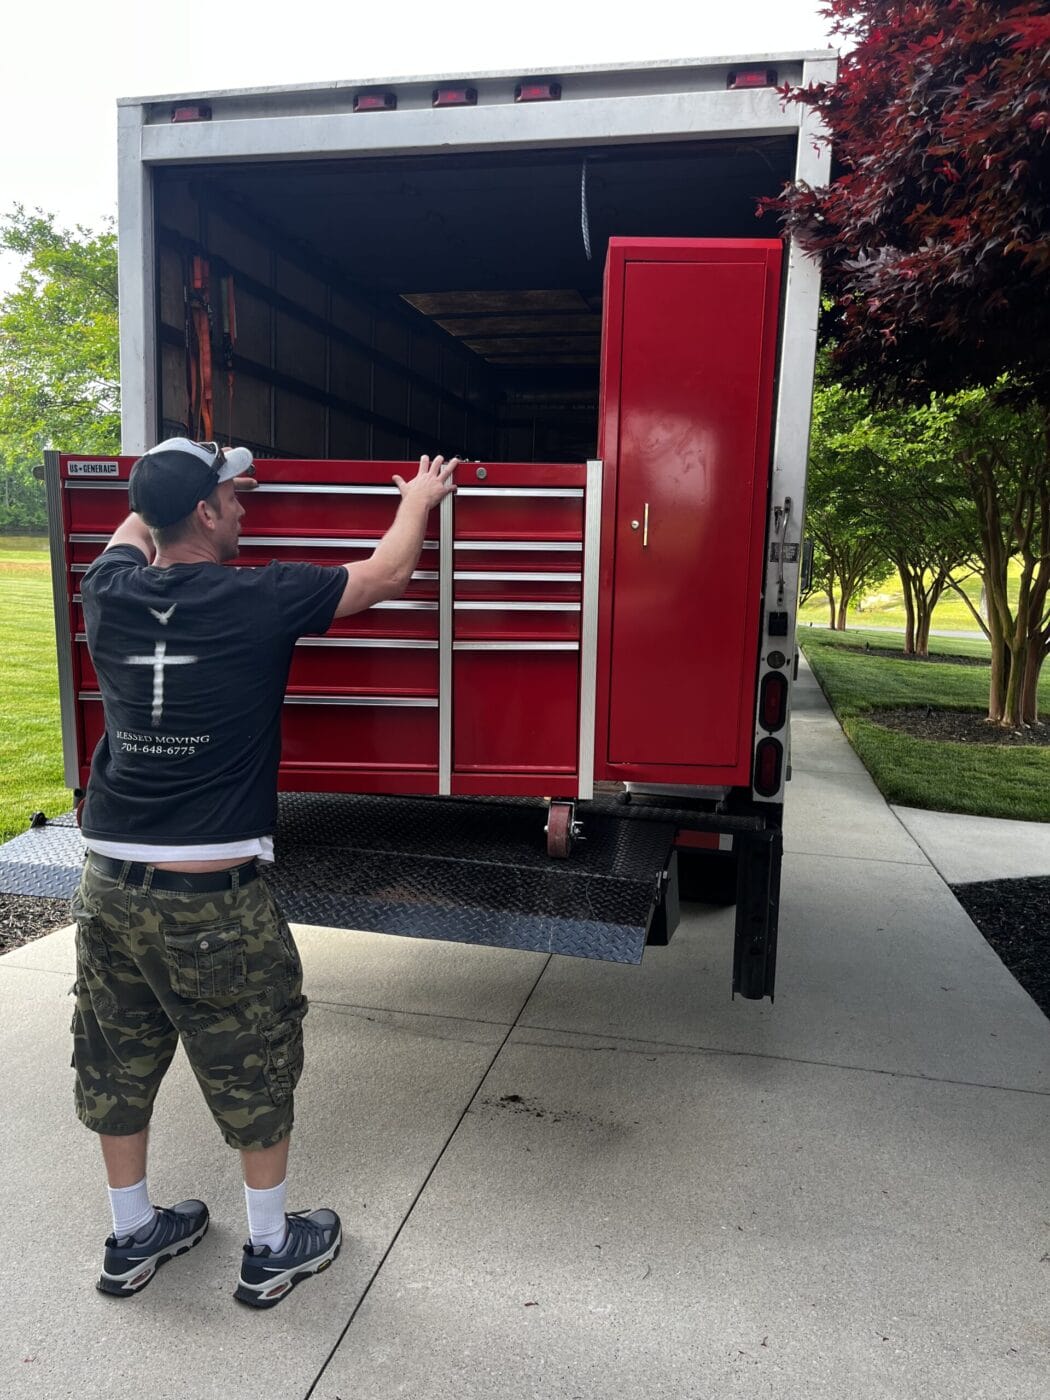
(566, 622)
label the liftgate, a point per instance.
(566, 624)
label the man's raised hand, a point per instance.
(432, 483)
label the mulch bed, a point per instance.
(885, 652)
(1014, 916)
(25, 917)
(956, 727)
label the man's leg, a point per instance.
(267, 1167)
(266, 1193)
(125, 1158)
(123, 1042)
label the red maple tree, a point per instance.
(935, 230)
(934, 236)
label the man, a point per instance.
(177, 937)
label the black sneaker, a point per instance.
(132, 1261)
(313, 1241)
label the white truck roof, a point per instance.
(649, 67)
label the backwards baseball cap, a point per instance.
(168, 481)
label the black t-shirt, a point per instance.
(192, 663)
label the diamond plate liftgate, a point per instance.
(462, 871)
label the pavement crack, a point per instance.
(656, 1049)
(450, 1030)
(426, 1181)
(353, 1008)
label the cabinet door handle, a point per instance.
(645, 526)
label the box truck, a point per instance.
(580, 709)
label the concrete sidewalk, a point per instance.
(565, 1179)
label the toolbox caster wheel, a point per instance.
(562, 829)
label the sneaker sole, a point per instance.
(274, 1291)
(135, 1280)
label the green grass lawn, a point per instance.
(981, 779)
(30, 733)
(884, 606)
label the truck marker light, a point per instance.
(768, 759)
(772, 708)
(375, 102)
(201, 112)
(537, 92)
(455, 97)
(751, 78)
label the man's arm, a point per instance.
(135, 531)
(387, 572)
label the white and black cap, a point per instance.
(168, 481)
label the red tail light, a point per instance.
(201, 112)
(772, 706)
(375, 102)
(537, 92)
(752, 78)
(769, 758)
(455, 97)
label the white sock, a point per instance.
(266, 1222)
(131, 1208)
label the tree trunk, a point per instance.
(1030, 690)
(829, 595)
(923, 617)
(909, 608)
(1011, 717)
(1000, 672)
(840, 622)
(929, 598)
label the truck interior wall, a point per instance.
(443, 303)
(318, 372)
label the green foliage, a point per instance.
(59, 375)
(846, 558)
(30, 737)
(982, 779)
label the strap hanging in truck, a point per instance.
(198, 350)
(229, 340)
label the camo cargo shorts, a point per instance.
(220, 971)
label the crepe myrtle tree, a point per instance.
(847, 557)
(1002, 451)
(913, 499)
(934, 235)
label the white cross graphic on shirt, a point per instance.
(158, 661)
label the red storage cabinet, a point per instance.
(689, 349)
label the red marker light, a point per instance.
(201, 112)
(772, 707)
(375, 102)
(768, 759)
(537, 92)
(455, 97)
(752, 78)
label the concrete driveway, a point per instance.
(565, 1179)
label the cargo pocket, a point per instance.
(291, 952)
(208, 964)
(92, 945)
(284, 1053)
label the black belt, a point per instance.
(188, 881)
